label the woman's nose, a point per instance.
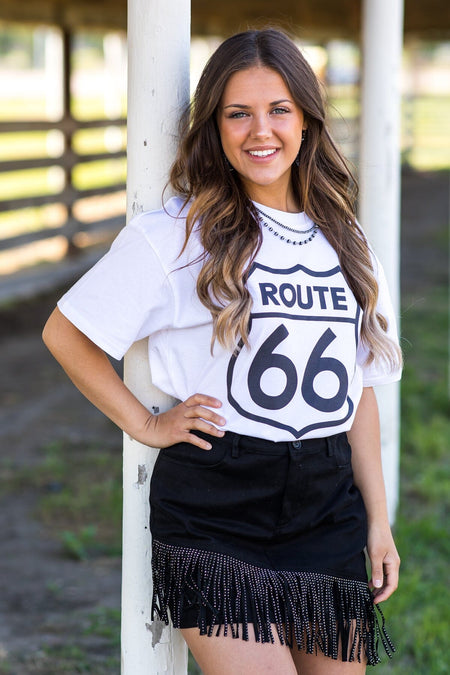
(261, 127)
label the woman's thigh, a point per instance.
(220, 655)
(318, 664)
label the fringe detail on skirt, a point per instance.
(334, 615)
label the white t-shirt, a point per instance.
(302, 376)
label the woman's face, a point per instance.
(260, 128)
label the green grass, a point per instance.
(35, 144)
(419, 611)
(343, 106)
(82, 498)
(93, 647)
(425, 122)
(79, 492)
(426, 132)
(85, 108)
(23, 145)
(33, 182)
(99, 173)
(31, 219)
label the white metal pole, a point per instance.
(382, 39)
(53, 58)
(158, 87)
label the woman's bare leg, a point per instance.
(233, 656)
(318, 664)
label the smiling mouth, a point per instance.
(262, 153)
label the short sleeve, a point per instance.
(379, 372)
(126, 296)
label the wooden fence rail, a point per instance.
(67, 160)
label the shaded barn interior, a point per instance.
(311, 20)
(321, 18)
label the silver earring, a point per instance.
(297, 159)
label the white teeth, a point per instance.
(262, 153)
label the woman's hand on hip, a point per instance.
(384, 562)
(175, 425)
(91, 371)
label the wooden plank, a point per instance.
(97, 14)
(307, 16)
(68, 125)
(319, 19)
(69, 229)
(29, 238)
(35, 163)
(429, 19)
(37, 200)
(94, 192)
(67, 196)
(68, 160)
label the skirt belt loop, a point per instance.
(235, 446)
(331, 445)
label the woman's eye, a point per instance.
(280, 111)
(237, 115)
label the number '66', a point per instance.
(265, 358)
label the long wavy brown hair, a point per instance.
(226, 218)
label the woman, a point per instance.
(269, 318)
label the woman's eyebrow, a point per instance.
(246, 107)
(237, 105)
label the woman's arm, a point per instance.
(92, 373)
(364, 437)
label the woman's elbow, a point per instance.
(55, 331)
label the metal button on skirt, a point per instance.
(254, 533)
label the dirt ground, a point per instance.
(44, 596)
(39, 405)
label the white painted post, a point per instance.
(382, 33)
(54, 99)
(113, 44)
(54, 75)
(158, 86)
(114, 78)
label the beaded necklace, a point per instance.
(312, 231)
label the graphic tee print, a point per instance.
(304, 372)
(304, 331)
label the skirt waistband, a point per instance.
(264, 446)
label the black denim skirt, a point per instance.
(254, 534)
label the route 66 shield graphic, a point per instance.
(303, 333)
